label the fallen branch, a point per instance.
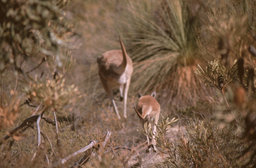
(86, 157)
(27, 123)
(136, 150)
(82, 160)
(92, 144)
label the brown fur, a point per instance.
(115, 71)
(148, 110)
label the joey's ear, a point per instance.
(153, 94)
(139, 95)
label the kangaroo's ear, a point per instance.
(153, 94)
(139, 95)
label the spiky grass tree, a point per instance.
(162, 40)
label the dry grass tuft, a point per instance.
(162, 41)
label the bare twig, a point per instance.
(57, 130)
(16, 83)
(47, 138)
(122, 147)
(34, 155)
(27, 123)
(37, 66)
(56, 123)
(48, 120)
(37, 108)
(82, 160)
(38, 130)
(47, 159)
(27, 102)
(101, 149)
(136, 150)
(106, 139)
(224, 97)
(92, 144)
(86, 157)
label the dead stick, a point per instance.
(25, 124)
(122, 147)
(106, 139)
(104, 144)
(92, 144)
(38, 130)
(37, 66)
(34, 155)
(137, 149)
(37, 108)
(47, 159)
(48, 120)
(47, 138)
(83, 160)
(56, 123)
(224, 97)
(86, 157)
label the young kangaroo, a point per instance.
(148, 110)
(115, 71)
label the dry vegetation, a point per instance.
(199, 56)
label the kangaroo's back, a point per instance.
(115, 71)
(148, 106)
